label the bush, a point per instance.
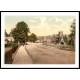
(7, 45)
(12, 43)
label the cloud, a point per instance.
(34, 21)
(54, 21)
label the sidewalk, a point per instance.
(22, 57)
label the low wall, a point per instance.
(8, 55)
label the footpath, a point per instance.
(22, 57)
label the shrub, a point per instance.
(12, 43)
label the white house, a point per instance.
(8, 39)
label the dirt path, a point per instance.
(41, 54)
(22, 57)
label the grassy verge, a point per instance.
(67, 47)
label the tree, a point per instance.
(65, 39)
(6, 34)
(20, 32)
(32, 37)
(72, 34)
(57, 39)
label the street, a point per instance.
(42, 54)
(36, 53)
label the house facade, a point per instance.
(8, 39)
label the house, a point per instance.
(47, 40)
(8, 39)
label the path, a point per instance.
(22, 57)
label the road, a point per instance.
(41, 54)
(36, 53)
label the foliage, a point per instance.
(32, 37)
(57, 39)
(20, 32)
(12, 43)
(6, 34)
(65, 39)
(72, 34)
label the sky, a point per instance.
(41, 25)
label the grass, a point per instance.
(67, 47)
(12, 43)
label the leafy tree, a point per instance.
(73, 28)
(65, 39)
(72, 34)
(20, 32)
(6, 34)
(32, 37)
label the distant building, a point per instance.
(8, 39)
(38, 41)
(55, 38)
(60, 33)
(61, 39)
(47, 40)
(44, 40)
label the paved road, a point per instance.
(21, 57)
(41, 54)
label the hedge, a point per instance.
(12, 43)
